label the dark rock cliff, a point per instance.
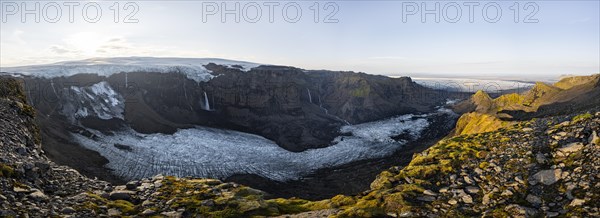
(297, 109)
(30, 184)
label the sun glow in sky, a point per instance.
(369, 36)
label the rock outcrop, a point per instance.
(31, 184)
(569, 95)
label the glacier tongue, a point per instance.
(193, 68)
(215, 153)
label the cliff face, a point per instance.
(297, 109)
(33, 186)
(30, 184)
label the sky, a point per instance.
(551, 38)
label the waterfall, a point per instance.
(309, 97)
(321, 105)
(125, 80)
(327, 111)
(186, 97)
(206, 105)
(53, 89)
(30, 98)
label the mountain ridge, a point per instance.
(505, 109)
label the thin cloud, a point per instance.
(388, 58)
(62, 50)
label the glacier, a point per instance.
(217, 153)
(192, 68)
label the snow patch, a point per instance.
(98, 100)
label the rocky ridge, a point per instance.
(569, 95)
(31, 184)
(544, 167)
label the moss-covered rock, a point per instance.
(6, 170)
(474, 122)
(12, 89)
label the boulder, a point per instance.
(595, 139)
(132, 185)
(468, 180)
(67, 210)
(426, 198)
(21, 190)
(577, 202)
(540, 158)
(486, 199)
(506, 193)
(38, 195)
(467, 199)
(113, 212)
(571, 148)
(172, 214)
(472, 189)
(532, 199)
(546, 177)
(122, 195)
(148, 212)
(144, 186)
(429, 192)
(452, 202)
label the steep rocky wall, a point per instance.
(30, 184)
(297, 109)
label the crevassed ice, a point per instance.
(208, 152)
(193, 68)
(380, 131)
(98, 100)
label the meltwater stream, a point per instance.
(215, 153)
